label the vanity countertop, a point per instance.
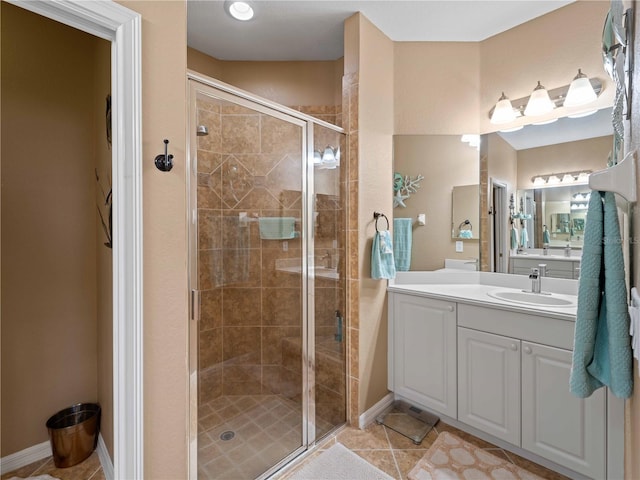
(478, 288)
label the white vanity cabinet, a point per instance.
(422, 351)
(518, 391)
(489, 383)
(555, 424)
(556, 268)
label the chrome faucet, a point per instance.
(542, 268)
(474, 262)
(545, 248)
(536, 280)
(567, 250)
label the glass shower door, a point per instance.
(249, 270)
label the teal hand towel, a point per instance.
(402, 238)
(382, 263)
(524, 238)
(602, 345)
(277, 228)
(514, 237)
(545, 236)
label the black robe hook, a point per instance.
(164, 162)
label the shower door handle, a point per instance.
(195, 305)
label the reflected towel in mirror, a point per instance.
(402, 238)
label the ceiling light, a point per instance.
(539, 102)
(580, 91)
(503, 111)
(567, 178)
(240, 10)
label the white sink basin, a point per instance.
(542, 299)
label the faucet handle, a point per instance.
(535, 273)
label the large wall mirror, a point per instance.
(447, 196)
(537, 184)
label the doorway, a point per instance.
(122, 28)
(267, 343)
(499, 252)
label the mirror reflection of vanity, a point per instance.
(552, 214)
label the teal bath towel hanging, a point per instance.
(602, 345)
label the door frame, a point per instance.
(498, 248)
(122, 27)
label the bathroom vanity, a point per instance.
(494, 360)
(558, 266)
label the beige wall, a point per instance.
(375, 143)
(436, 87)
(286, 83)
(166, 401)
(590, 154)
(445, 162)
(49, 328)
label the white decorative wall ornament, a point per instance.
(403, 187)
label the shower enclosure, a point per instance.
(267, 243)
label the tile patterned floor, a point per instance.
(90, 469)
(389, 451)
(266, 429)
(396, 455)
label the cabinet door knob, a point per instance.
(451, 308)
(514, 347)
(527, 350)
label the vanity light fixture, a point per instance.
(539, 102)
(557, 179)
(242, 11)
(542, 101)
(553, 180)
(580, 91)
(329, 158)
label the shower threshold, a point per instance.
(412, 422)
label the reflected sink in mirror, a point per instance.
(541, 299)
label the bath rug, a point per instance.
(451, 458)
(38, 477)
(339, 463)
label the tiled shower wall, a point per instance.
(249, 167)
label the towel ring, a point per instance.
(377, 215)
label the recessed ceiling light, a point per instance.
(240, 10)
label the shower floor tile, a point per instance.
(266, 428)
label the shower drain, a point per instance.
(228, 435)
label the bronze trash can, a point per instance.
(73, 433)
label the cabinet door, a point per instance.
(489, 383)
(556, 425)
(424, 352)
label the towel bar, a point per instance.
(619, 178)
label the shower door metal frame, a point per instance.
(198, 83)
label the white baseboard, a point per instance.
(368, 417)
(43, 450)
(105, 459)
(25, 457)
